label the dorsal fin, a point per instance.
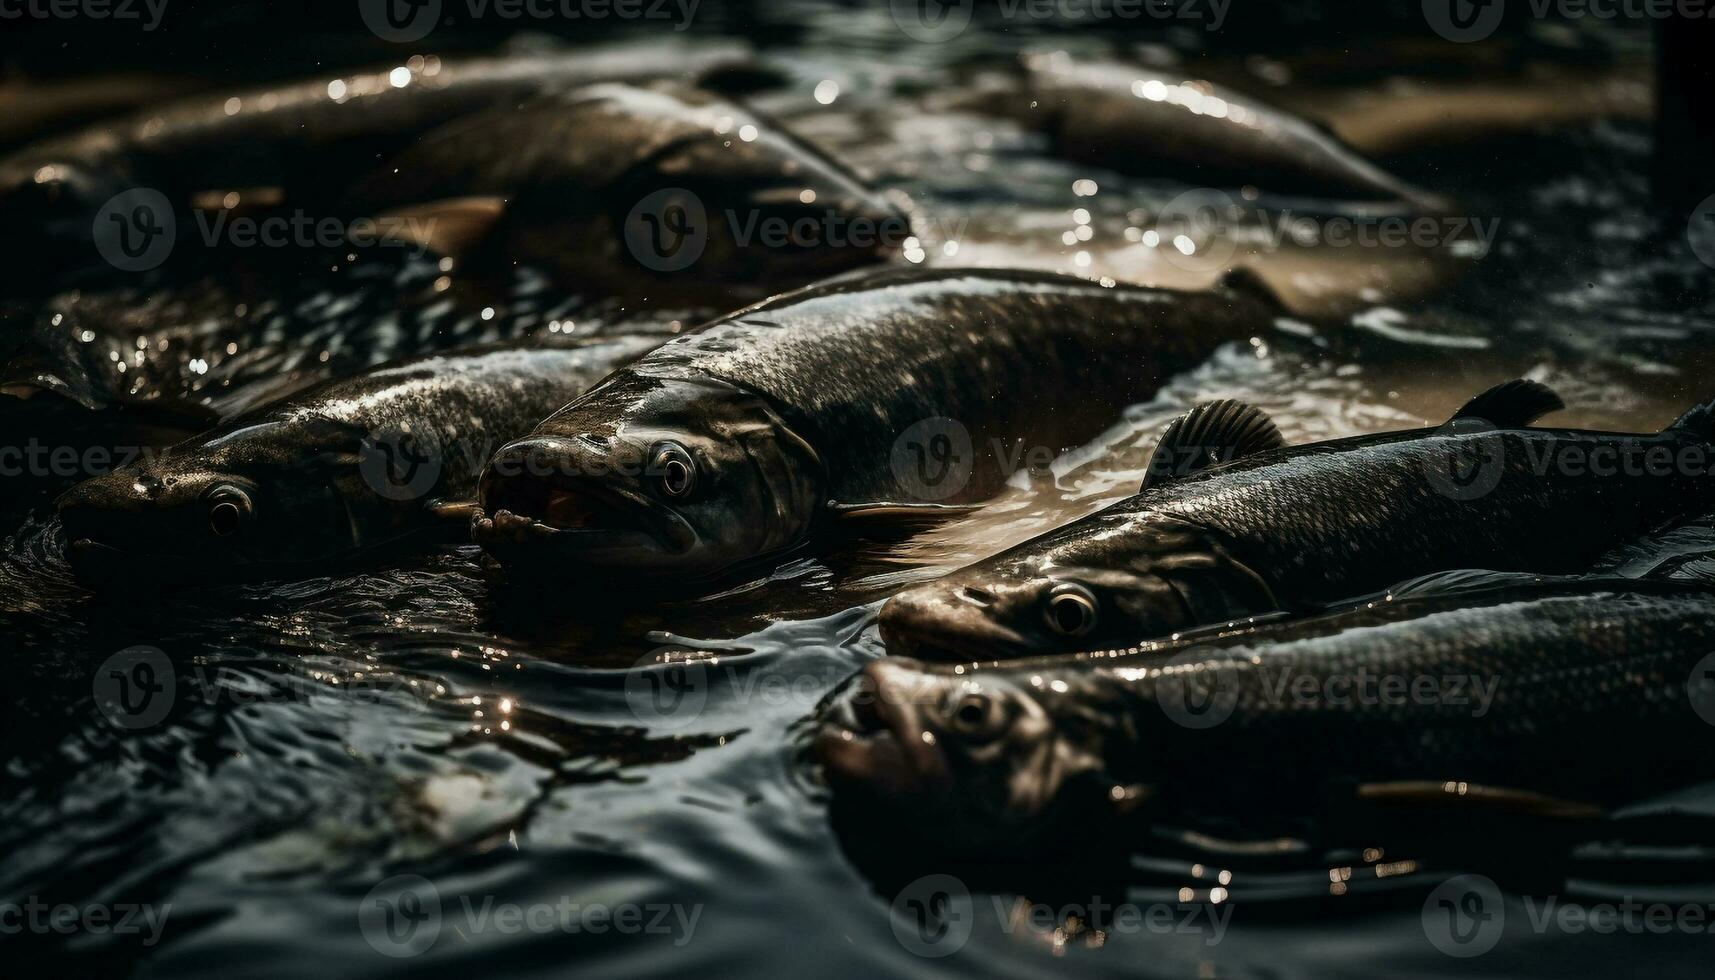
(1512, 404)
(1698, 422)
(1463, 580)
(1209, 435)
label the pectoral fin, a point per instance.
(1209, 435)
(1512, 404)
(1491, 798)
(452, 511)
(450, 227)
(1465, 580)
(893, 519)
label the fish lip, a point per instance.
(664, 532)
(877, 742)
(946, 644)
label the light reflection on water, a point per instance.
(331, 733)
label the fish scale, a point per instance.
(1299, 528)
(802, 414)
(1558, 696)
(855, 366)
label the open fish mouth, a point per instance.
(525, 518)
(874, 737)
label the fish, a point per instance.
(633, 190)
(1156, 124)
(865, 406)
(293, 145)
(1560, 697)
(1230, 524)
(339, 472)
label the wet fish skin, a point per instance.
(803, 401)
(1587, 701)
(295, 138)
(1299, 528)
(1157, 124)
(341, 470)
(564, 172)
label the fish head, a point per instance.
(1078, 588)
(235, 505)
(59, 201)
(651, 478)
(761, 207)
(986, 755)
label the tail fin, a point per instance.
(1698, 423)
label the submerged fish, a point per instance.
(1555, 696)
(1153, 124)
(640, 191)
(862, 403)
(295, 145)
(1274, 528)
(332, 473)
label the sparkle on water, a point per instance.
(418, 718)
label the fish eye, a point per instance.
(675, 471)
(975, 714)
(228, 509)
(1071, 610)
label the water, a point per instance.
(424, 735)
